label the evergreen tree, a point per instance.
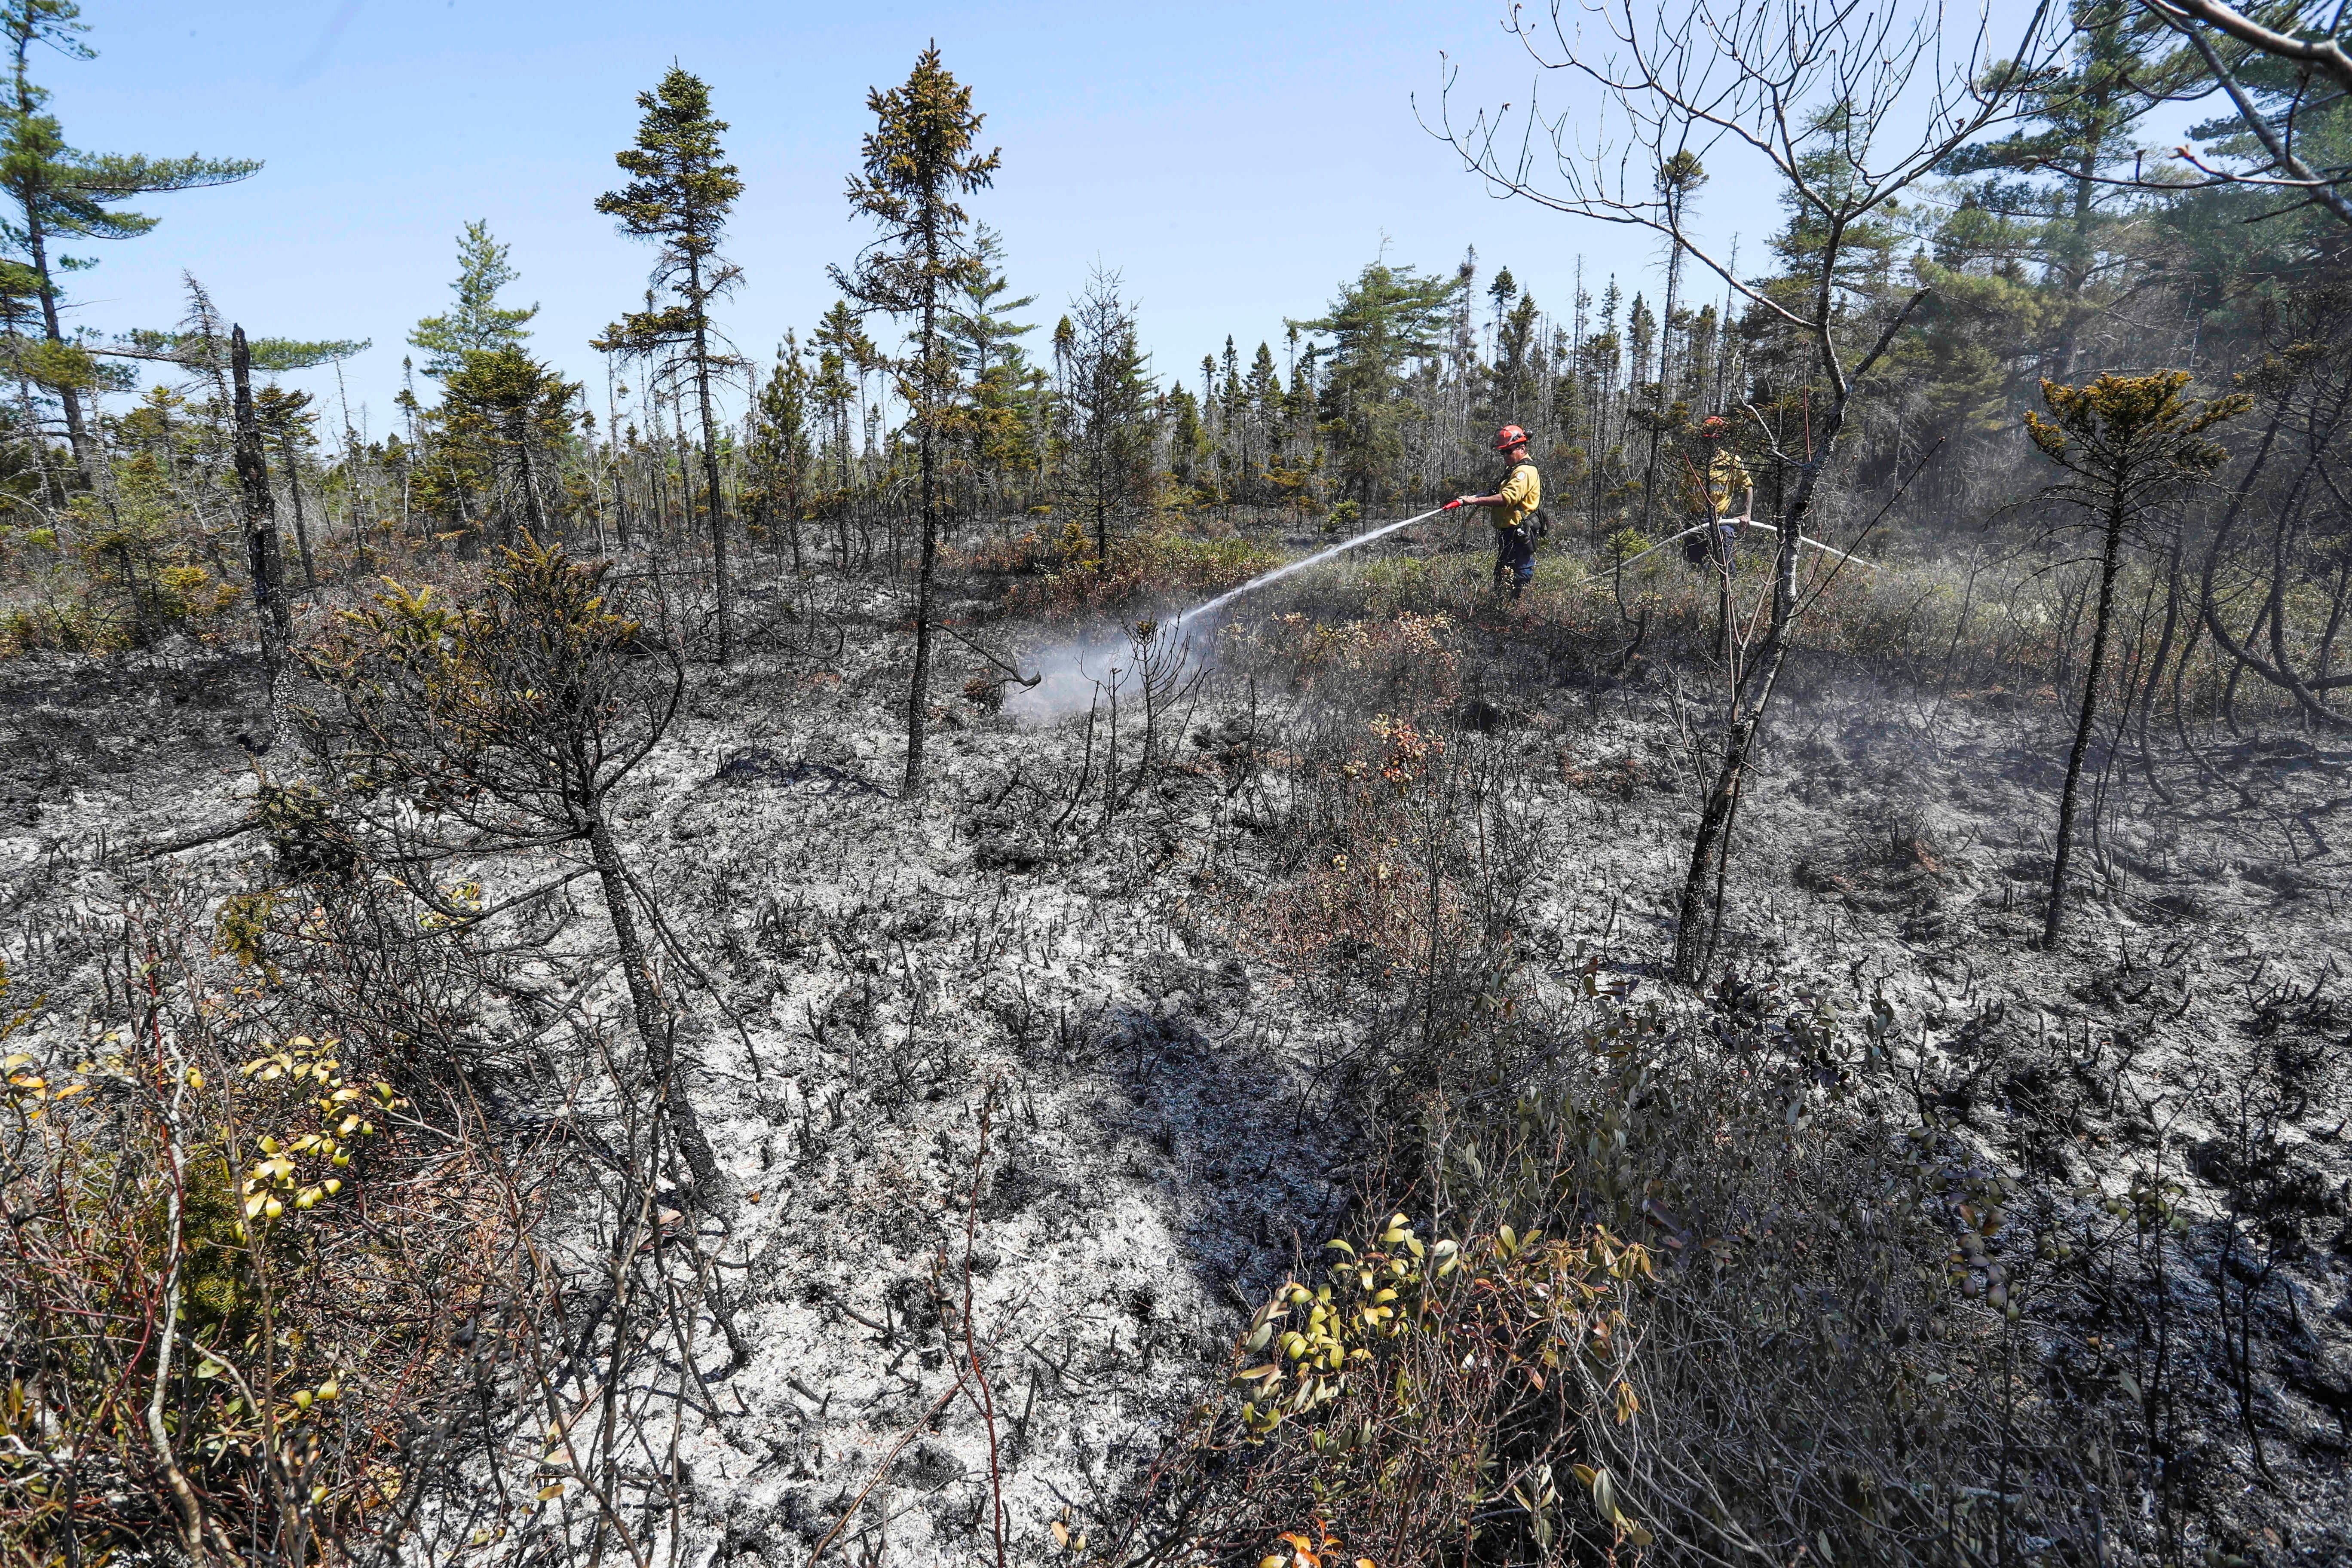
(516, 412)
(844, 351)
(981, 324)
(2055, 193)
(679, 194)
(999, 417)
(475, 322)
(1385, 318)
(59, 194)
(1519, 349)
(1262, 399)
(919, 158)
(1106, 434)
(782, 457)
(1189, 447)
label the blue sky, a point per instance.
(1232, 161)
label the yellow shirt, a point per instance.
(1522, 493)
(1728, 481)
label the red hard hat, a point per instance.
(1508, 437)
(1714, 425)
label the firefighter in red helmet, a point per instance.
(1515, 507)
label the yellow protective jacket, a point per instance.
(1522, 493)
(1727, 480)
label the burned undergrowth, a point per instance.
(1033, 1112)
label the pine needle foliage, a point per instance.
(680, 191)
(59, 193)
(474, 322)
(2128, 444)
(921, 154)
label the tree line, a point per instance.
(2028, 236)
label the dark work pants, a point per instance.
(1515, 559)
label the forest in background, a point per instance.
(2047, 248)
(694, 969)
(2052, 247)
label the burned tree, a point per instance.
(506, 726)
(262, 555)
(2126, 442)
(285, 418)
(921, 154)
(2283, 532)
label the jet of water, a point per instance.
(1071, 679)
(1279, 573)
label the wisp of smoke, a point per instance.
(1073, 679)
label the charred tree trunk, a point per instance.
(654, 1031)
(261, 549)
(1710, 859)
(710, 489)
(1751, 691)
(918, 695)
(2110, 561)
(2277, 670)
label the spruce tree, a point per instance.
(1264, 391)
(845, 355)
(59, 194)
(475, 322)
(917, 159)
(781, 456)
(679, 194)
(514, 413)
(1105, 409)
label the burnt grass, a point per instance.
(1181, 1111)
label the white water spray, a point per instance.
(1279, 573)
(1071, 679)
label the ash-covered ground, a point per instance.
(1171, 1098)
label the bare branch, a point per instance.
(2323, 191)
(2327, 56)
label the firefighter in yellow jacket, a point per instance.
(1514, 506)
(1727, 483)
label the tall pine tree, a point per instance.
(917, 159)
(1386, 317)
(679, 194)
(475, 322)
